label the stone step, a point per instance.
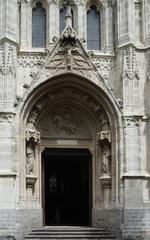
(68, 233)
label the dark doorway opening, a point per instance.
(67, 186)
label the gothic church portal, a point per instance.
(74, 116)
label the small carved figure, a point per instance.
(29, 158)
(32, 120)
(106, 165)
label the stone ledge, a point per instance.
(7, 238)
(7, 174)
(136, 175)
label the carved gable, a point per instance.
(68, 54)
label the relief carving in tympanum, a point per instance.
(65, 122)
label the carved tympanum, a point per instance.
(64, 121)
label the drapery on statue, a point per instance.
(30, 157)
(106, 160)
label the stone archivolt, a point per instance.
(67, 112)
(75, 95)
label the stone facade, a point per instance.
(65, 96)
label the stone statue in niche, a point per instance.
(104, 121)
(32, 120)
(106, 159)
(31, 133)
(30, 158)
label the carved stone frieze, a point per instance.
(6, 117)
(32, 60)
(131, 122)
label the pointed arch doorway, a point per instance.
(67, 186)
(70, 113)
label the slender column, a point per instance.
(146, 21)
(23, 27)
(68, 16)
(126, 20)
(53, 21)
(81, 20)
(8, 19)
(109, 28)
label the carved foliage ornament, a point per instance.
(69, 54)
(131, 122)
(8, 59)
(6, 117)
(105, 65)
(32, 135)
(130, 66)
(32, 60)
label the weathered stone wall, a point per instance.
(111, 218)
(18, 222)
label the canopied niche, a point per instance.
(70, 113)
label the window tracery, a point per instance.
(93, 28)
(38, 26)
